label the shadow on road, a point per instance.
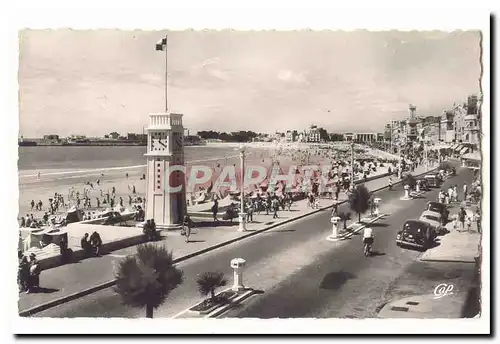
(378, 224)
(281, 230)
(42, 290)
(335, 280)
(377, 253)
(193, 241)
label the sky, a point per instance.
(96, 82)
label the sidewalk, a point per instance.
(456, 246)
(447, 265)
(68, 281)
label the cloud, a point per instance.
(232, 80)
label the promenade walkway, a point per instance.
(70, 280)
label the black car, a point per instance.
(433, 180)
(416, 234)
(441, 208)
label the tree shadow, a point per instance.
(377, 253)
(335, 280)
(378, 224)
(43, 290)
(281, 230)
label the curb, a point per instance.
(64, 299)
(447, 261)
(85, 292)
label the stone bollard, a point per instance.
(335, 232)
(376, 201)
(238, 264)
(418, 187)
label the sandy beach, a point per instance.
(261, 153)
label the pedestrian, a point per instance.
(465, 191)
(215, 210)
(477, 218)
(468, 221)
(390, 183)
(186, 228)
(23, 274)
(33, 205)
(250, 211)
(461, 217)
(335, 209)
(275, 206)
(34, 274)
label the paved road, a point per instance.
(271, 258)
(343, 283)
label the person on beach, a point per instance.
(133, 190)
(33, 205)
(465, 191)
(98, 203)
(38, 175)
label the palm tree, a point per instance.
(358, 200)
(209, 281)
(146, 278)
(410, 180)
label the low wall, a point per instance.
(79, 253)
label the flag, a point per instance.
(161, 45)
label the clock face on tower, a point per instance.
(159, 142)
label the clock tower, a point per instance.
(165, 186)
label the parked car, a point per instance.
(416, 234)
(433, 180)
(439, 208)
(423, 184)
(434, 219)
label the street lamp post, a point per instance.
(352, 165)
(242, 214)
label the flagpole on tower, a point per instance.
(166, 75)
(161, 45)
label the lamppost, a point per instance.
(352, 165)
(242, 214)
